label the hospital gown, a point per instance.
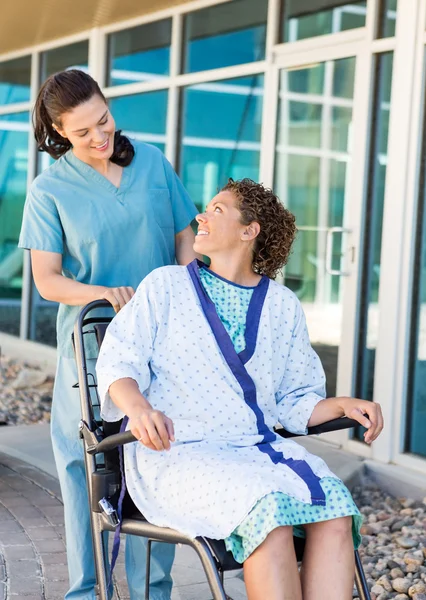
(226, 460)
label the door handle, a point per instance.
(329, 251)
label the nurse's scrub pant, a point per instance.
(68, 451)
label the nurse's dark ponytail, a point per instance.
(59, 94)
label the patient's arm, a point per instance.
(149, 426)
(301, 399)
(333, 408)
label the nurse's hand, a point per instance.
(152, 428)
(118, 296)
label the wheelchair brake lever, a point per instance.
(92, 438)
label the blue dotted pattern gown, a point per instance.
(275, 509)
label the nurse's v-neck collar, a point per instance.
(97, 177)
(252, 320)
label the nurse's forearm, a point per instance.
(126, 395)
(59, 288)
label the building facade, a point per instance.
(321, 99)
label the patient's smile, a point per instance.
(202, 232)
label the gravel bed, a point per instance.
(393, 550)
(25, 393)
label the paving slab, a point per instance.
(31, 444)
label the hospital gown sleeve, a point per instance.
(303, 383)
(183, 208)
(127, 349)
(41, 226)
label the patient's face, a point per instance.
(219, 227)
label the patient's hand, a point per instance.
(368, 414)
(152, 428)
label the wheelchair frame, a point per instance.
(101, 481)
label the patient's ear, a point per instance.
(251, 231)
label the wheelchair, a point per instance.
(102, 441)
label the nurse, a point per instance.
(104, 215)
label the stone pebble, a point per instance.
(25, 393)
(393, 549)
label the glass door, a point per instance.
(312, 176)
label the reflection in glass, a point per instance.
(369, 314)
(15, 80)
(307, 81)
(142, 116)
(305, 124)
(227, 34)
(139, 54)
(312, 178)
(388, 18)
(74, 56)
(43, 319)
(341, 123)
(14, 130)
(220, 126)
(43, 312)
(415, 438)
(304, 19)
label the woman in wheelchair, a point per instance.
(205, 362)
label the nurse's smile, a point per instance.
(102, 147)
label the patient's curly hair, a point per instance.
(277, 224)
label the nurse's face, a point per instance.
(90, 128)
(220, 228)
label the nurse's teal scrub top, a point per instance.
(107, 236)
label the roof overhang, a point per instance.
(27, 23)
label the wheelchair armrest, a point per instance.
(333, 425)
(119, 439)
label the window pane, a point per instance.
(341, 126)
(15, 80)
(43, 320)
(312, 164)
(228, 34)
(142, 116)
(74, 56)
(388, 18)
(303, 19)
(43, 312)
(220, 126)
(305, 124)
(416, 417)
(344, 78)
(14, 130)
(307, 81)
(415, 438)
(369, 314)
(139, 54)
